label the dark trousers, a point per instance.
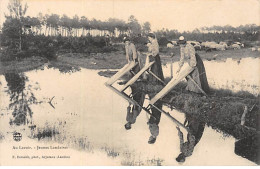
(157, 70)
(156, 114)
(138, 96)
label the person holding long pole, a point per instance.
(156, 69)
(138, 96)
(198, 75)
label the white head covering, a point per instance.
(181, 38)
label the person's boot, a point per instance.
(129, 115)
(128, 126)
(151, 140)
(154, 129)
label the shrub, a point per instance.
(10, 54)
(6, 55)
(163, 41)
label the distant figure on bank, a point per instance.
(188, 54)
(138, 96)
(107, 40)
(157, 70)
(196, 129)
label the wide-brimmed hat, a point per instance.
(181, 40)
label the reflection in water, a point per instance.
(196, 129)
(63, 68)
(45, 132)
(80, 117)
(20, 98)
(249, 148)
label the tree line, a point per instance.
(17, 26)
(54, 24)
(248, 32)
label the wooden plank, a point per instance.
(123, 95)
(172, 84)
(130, 100)
(121, 72)
(131, 81)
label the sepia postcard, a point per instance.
(129, 82)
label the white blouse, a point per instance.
(188, 54)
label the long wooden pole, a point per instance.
(171, 71)
(197, 85)
(156, 77)
(172, 118)
(131, 101)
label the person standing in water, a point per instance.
(138, 96)
(157, 70)
(196, 129)
(188, 54)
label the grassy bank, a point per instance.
(219, 111)
(115, 60)
(222, 109)
(21, 65)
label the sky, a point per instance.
(183, 15)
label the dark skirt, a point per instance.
(199, 76)
(156, 69)
(196, 126)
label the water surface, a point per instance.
(78, 111)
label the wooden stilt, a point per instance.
(121, 72)
(171, 85)
(131, 81)
(130, 100)
(171, 67)
(122, 95)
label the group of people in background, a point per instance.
(187, 54)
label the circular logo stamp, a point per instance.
(17, 136)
